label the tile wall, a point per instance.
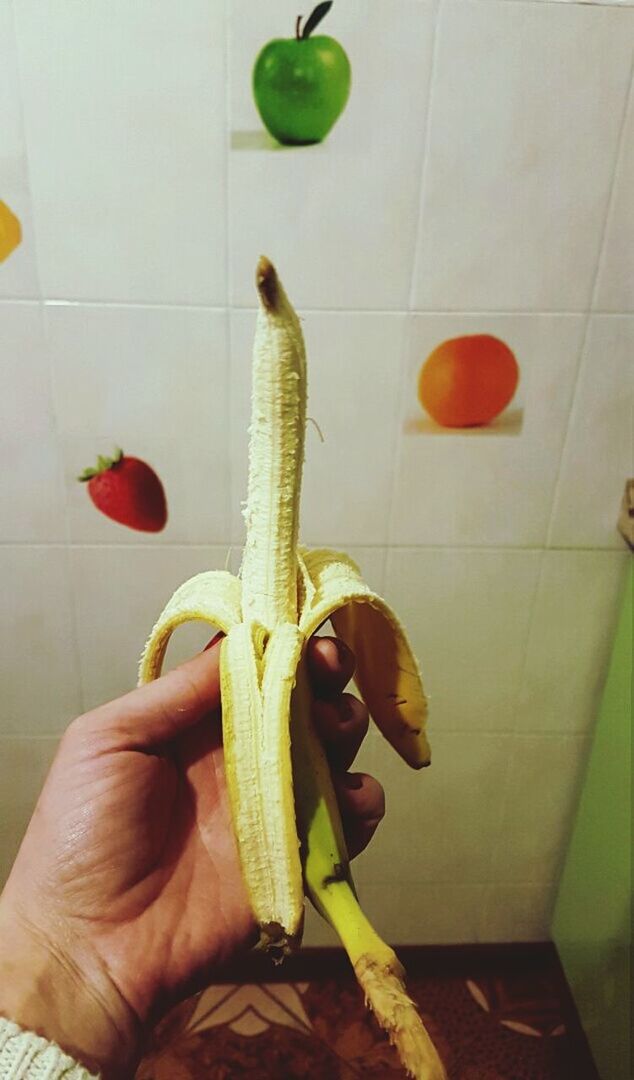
(479, 181)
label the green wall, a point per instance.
(592, 922)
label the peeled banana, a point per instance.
(284, 808)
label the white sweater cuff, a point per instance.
(25, 1056)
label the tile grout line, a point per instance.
(616, 172)
(446, 883)
(228, 274)
(572, 412)
(573, 736)
(236, 540)
(50, 368)
(568, 819)
(506, 779)
(574, 400)
(307, 309)
(626, 4)
(228, 541)
(151, 305)
(433, 312)
(226, 8)
(69, 546)
(426, 152)
(584, 740)
(228, 138)
(486, 887)
(27, 160)
(395, 441)
(383, 570)
(405, 337)
(233, 541)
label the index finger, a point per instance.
(162, 709)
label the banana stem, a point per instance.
(381, 977)
(329, 885)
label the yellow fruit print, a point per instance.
(10, 231)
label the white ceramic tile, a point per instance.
(24, 764)
(526, 109)
(125, 122)
(354, 371)
(467, 614)
(18, 272)
(153, 381)
(489, 487)
(516, 913)
(120, 593)
(572, 631)
(25, 404)
(597, 457)
(12, 135)
(441, 823)
(417, 914)
(409, 914)
(371, 563)
(38, 668)
(544, 784)
(615, 285)
(317, 932)
(32, 497)
(339, 218)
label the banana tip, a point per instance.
(266, 282)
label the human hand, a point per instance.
(126, 894)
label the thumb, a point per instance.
(162, 709)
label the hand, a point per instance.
(126, 893)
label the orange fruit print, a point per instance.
(468, 381)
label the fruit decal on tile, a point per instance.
(10, 231)
(128, 491)
(301, 84)
(468, 382)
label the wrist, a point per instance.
(66, 998)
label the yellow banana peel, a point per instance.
(284, 808)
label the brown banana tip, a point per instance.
(266, 282)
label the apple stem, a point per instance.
(298, 28)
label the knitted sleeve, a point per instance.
(25, 1056)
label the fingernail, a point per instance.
(343, 652)
(215, 639)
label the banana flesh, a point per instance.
(285, 814)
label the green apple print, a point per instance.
(301, 84)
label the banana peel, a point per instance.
(284, 809)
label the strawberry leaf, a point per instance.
(316, 17)
(103, 465)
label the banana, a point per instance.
(284, 809)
